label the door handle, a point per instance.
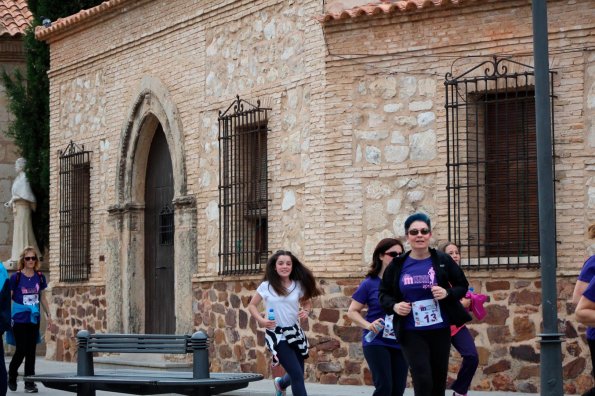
(160, 267)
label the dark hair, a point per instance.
(381, 248)
(417, 217)
(299, 272)
(442, 247)
(591, 231)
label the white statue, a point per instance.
(22, 203)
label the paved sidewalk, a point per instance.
(258, 388)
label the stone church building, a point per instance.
(190, 139)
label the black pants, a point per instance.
(293, 363)
(25, 336)
(591, 343)
(389, 370)
(3, 383)
(427, 352)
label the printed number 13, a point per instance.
(430, 318)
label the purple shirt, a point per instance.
(27, 292)
(586, 275)
(367, 294)
(416, 281)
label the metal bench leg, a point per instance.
(85, 390)
(200, 358)
(84, 364)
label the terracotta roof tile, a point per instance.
(14, 17)
(63, 24)
(384, 7)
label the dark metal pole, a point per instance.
(551, 355)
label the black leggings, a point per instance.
(389, 370)
(25, 336)
(427, 352)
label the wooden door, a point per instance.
(159, 239)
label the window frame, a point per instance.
(75, 213)
(243, 188)
(471, 98)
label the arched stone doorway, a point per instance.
(153, 113)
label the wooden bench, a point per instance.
(144, 382)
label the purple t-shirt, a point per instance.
(416, 281)
(367, 294)
(586, 275)
(27, 292)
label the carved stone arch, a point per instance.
(152, 105)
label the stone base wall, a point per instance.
(507, 339)
(73, 309)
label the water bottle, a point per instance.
(271, 314)
(371, 335)
(469, 293)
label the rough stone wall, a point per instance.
(356, 143)
(507, 339)
(73, 309)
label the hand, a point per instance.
(466, 302)
(8, 204)
(376, 325)
(269, 324)
(439, 292)
(403, 308)
(303, 314)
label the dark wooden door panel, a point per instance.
(159, 246)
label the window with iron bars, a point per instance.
(492, 166)
(75, 214)
(243, 188)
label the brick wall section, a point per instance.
(357, 143)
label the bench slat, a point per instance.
(142, 343)
(137, 350)
(148, 336)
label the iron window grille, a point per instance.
(166, 225)
(243, 188)
(492, 164)
(75, 214)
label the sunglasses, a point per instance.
(30, 258)
(393, 254)
(423, 231)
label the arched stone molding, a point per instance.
(152, 98)
(125, 299)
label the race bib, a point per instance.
(426, 312)
(389, 331)
(30, 299)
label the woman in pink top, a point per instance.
(462, 339)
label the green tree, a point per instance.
(28, 97)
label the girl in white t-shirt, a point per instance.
(287, 290)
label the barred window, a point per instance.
(75, 214)
(243, 188)
(492, 166)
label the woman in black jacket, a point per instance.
(424, 287)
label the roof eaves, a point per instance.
(71, 22)
(383, 8)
